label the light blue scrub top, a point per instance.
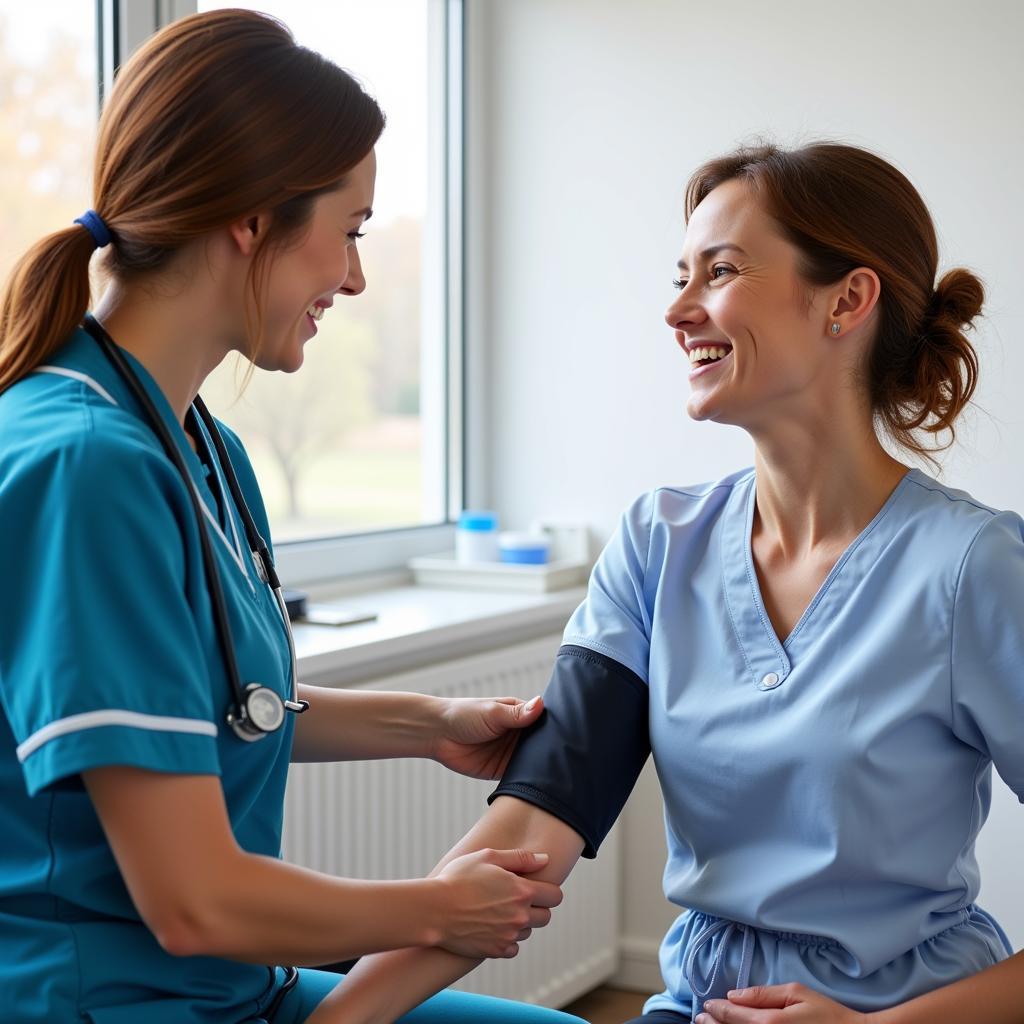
(108, 656)
(822, 793)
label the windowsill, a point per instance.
(417, 626)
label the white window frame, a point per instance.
(122, 26)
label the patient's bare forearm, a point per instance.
(526, 827)
(384, 986)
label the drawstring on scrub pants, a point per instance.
(700, 993)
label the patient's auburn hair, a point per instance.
(843, 207)
(217, 116)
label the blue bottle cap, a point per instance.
(478, 521)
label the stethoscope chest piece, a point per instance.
(262, 713)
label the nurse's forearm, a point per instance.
(362, 725)
(201, 895)
(380, 988)
(992, 996)
(305, 918)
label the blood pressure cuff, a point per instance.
(580, 760)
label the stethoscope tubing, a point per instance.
(257, 545)
(261, 553)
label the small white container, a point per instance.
(569, 541)
(476, 538)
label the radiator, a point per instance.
(395, 819)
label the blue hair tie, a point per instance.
(93, 223)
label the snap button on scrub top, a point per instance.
(770, 681)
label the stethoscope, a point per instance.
(256, 710)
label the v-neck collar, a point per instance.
(230, 513)
(767, 657)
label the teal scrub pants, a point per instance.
(444, 1008)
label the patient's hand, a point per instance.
(765, 1004)
(491, 906)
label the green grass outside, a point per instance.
(342, 492)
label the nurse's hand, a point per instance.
(476, 736)
(489, 906)
(777, 1004)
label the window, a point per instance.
(48, 110)
(359, 455)
(358, 439)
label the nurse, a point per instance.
(824, 652)
(140, 802)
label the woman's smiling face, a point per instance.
(742, 298)
(309, 275)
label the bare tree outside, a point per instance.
(290, 419)
(337, 446)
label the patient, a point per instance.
(823, 651)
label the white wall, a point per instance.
(586, 117)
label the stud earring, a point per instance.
(835, 328)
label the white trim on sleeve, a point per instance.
(98, 719)
(62, 371)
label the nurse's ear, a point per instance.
(248, 232)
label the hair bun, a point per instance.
(957, 299)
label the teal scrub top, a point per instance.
(823, 790)
(109, 656)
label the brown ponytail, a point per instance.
(217, 116)
(843, 208)
(46, 296)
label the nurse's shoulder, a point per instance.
(65, 438)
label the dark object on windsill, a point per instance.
(295, 602)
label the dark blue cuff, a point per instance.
(580, 760)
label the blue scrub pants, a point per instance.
(444, 1008)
